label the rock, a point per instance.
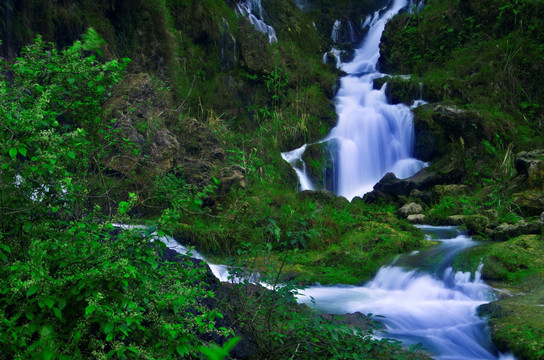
(422, 180)
(318, 158)
(452, 189)
(198, 140)
(200, 152)
(142, 145)
(354, 320)
(253, 47)
(457, 123)
(416, 218)
(531, 164)
(424, 196)
(504, 232)
(232, 177)
(324, 197)
(409, 209)
(530, 203)
(541, 219)
(475, 224)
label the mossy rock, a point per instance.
(319, 164)
(530, 203)
(516, 324)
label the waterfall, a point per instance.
(295, 159)
(372, 136)
(253, 10)
(435, 308)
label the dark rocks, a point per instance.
(391, 185)
(475, 224)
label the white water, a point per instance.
(372, 136)
(253, 10)
(295, 159)
(436, 308)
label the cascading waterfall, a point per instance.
(295, 159)
(372, 136)
(253, 10)
(435, 308)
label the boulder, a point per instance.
(318, 159)
(409, 209)
(531, 164)
(475, 224)
(422, 180)
(354, 320)
(504, 232)
(530, 203)
(416, 218)
(231, 177)
(139, 145)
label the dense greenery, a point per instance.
(71, 286)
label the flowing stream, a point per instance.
(429, 304)
(371, 137)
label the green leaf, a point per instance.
(62, 303)
(109, 327)
(49, 302)
(182, 350)
(71, 155)
(5, 248)
(90, 309)
(13, 152)
(33, 289)
(22, 150)
(57, 312)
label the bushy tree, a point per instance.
(71, 285)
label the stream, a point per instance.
(422, 300)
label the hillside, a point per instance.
(174, 113)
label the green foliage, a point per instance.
(482, 55)
(70, 284)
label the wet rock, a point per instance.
(253, 47)
(409, 209)
(318, 159)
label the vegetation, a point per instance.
(73, 285)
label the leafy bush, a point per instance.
(71, 286)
